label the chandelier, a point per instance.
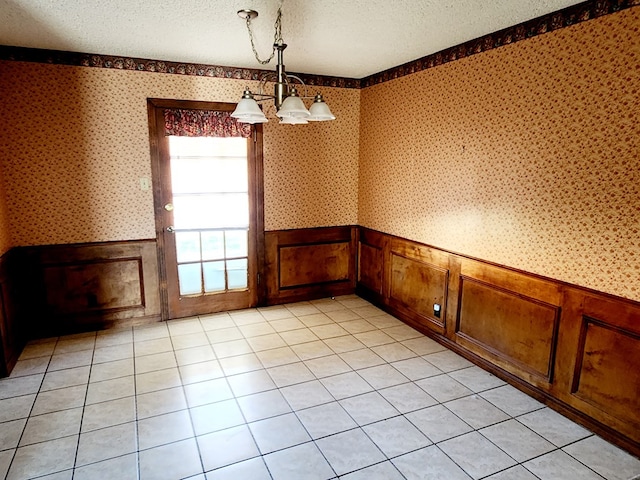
(290, 108)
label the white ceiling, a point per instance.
(344, 38)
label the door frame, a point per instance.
(256, 186)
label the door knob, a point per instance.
(168, 207)
(170, 229)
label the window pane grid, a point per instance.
(207, 261)
(211, 273)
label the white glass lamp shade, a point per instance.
(292, 106)
(293, 121)
(319, 110)
(248, 111)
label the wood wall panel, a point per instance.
(515, 331)
(415, 287)
(314, 264)
(310, 263)
(542, 289)
(370, 267)
(575, 349)
(12, 335)
(7, 343)
(371, 250)
(599, 357)
(607, 369)
(88, 286)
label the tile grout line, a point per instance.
(84, 404)
(15, 453)
(316, 378)
(262, 456)
(337, 401)
(135, 404)
(188, 409)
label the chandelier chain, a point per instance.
(277, 37)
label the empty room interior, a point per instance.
(313, 240)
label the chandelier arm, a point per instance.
(263, 82)
(263, 98)
(288, 75)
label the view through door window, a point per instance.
(210, 213)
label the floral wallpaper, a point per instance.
(527, 155)
(75, 144)
(311, 171)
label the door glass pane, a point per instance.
(190, 279)
(210, 188)
(237, 273)
(212, 245)
(214, 276)
(211, 210)
(236, 243)
(188, 246)
(217, 174)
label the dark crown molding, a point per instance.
(554, 21)
(60, 57)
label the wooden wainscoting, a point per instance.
(599, 351)
(309, 263)
(418, 280)
(518, 331)
(88, 286)
(508, 318)
(576, 349)
(371, 247)
(12, 335)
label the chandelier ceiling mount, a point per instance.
(288, 102)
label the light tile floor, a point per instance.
(315, 390)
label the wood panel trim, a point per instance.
(276, 241)
(568, 306)
(598, 308)
(7, 343)
(377, 242)
(547, 376)
(438, 323)
(619, 409)
(281, 284)
(465, 278)
(12, 324)
(586, 321)
(548, 398)
(54, 318)
(105, 261)
(375, 283)
(560, 285)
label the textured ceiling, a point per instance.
(345, 38)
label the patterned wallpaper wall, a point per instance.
(75, 143)
(311, 171)
(527, 155)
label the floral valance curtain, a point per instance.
(203, 123)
